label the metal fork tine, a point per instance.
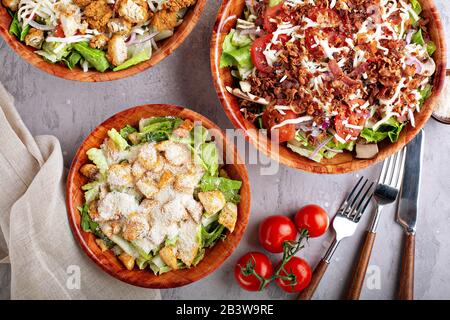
(363, 205)
(346, 204)
(401, 170)
(398, 161)
(383, 170)
(390, 169)
(357, 198)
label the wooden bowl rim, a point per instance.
(225, 20)
(166, 48)
(229, 246)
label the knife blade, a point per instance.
(409, 194)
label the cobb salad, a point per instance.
(95, 34)
(329, 76)
(156, 195)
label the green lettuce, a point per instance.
(125, 131)
(230, 188)
(417, 38)
(88, 225)
(53, 52)
(158, 128)
(95, 57)
(136, 54)
(118, 139)
(72, 60)
(234, 55)
(210, 235)
(98, 158)
(391, 129)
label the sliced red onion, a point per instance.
(39, 26)
(409, 36)
(144, 39)
(325, 124)
(319, 147)
(131, 39)
(333, 150)
(413, 61)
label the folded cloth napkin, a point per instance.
(35, 237)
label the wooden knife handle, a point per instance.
(361, 267)
(406, 286)
(319, 271)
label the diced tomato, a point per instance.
(274, 13)
(257, 53)
(353, 118)
(59, 32)
(272, 117)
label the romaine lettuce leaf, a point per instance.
(95, 57)
(390, 128)
(98, 158)
(118, 139)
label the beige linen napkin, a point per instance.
(35, 237)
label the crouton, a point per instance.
(137, 170)
(11, 4)
(101, 244)
(167, 255)
(165, 179)
(89, 170)
(228, 216)
(135, 227)
(99, 41)
(186, 182)
(212, 201)
(188, 242)
(176, 5)
(93, 210)
(147, 186)
(117, 50)
(164, 20)
(119, 26)
(184, 129)
(82, 3)
(97, 14)
(34, 38)
(176, 154)
(127, 260)
(148, 156)
(119, 176)
(134, 11)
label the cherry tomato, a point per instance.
(302, 272)
(274, 13)
(262, 266)
(312, 218)
(353, 118)
(274, 231)
(256, 52)
(272, 117)
(59, 32)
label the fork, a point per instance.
(344, 225)
(385, 193)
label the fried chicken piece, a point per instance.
(82, 3)
(99, 41)
(11, 4)
(164, 20)
(97, 14)
(34, 38)
(134, 11)
(117, 50)
(176, 5)
(119, 26)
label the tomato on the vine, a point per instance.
(295, 275)
(248, 265)
(274, 231)
(314, 219)
(272, 117)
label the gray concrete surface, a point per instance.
(70, 110)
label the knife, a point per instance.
(407, 213)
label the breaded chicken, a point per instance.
(11, 4)
(97, 14)
(82, 3)
(117, 50)
(188, 242)
(119, 26)
(34, 38)
(99, 41)
(176, 5)
(164, 20)
(134, 11)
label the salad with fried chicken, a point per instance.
(95, 34)
(156, 195)
(329, 76)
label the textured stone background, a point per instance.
(70, 110)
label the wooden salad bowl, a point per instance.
(341, 163)
(166, 47)
(214, 256)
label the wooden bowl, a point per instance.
(166, 47)
(214, 256)
(342, 163)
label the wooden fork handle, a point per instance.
(319, 271)
(361, 267)
(406, 286)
